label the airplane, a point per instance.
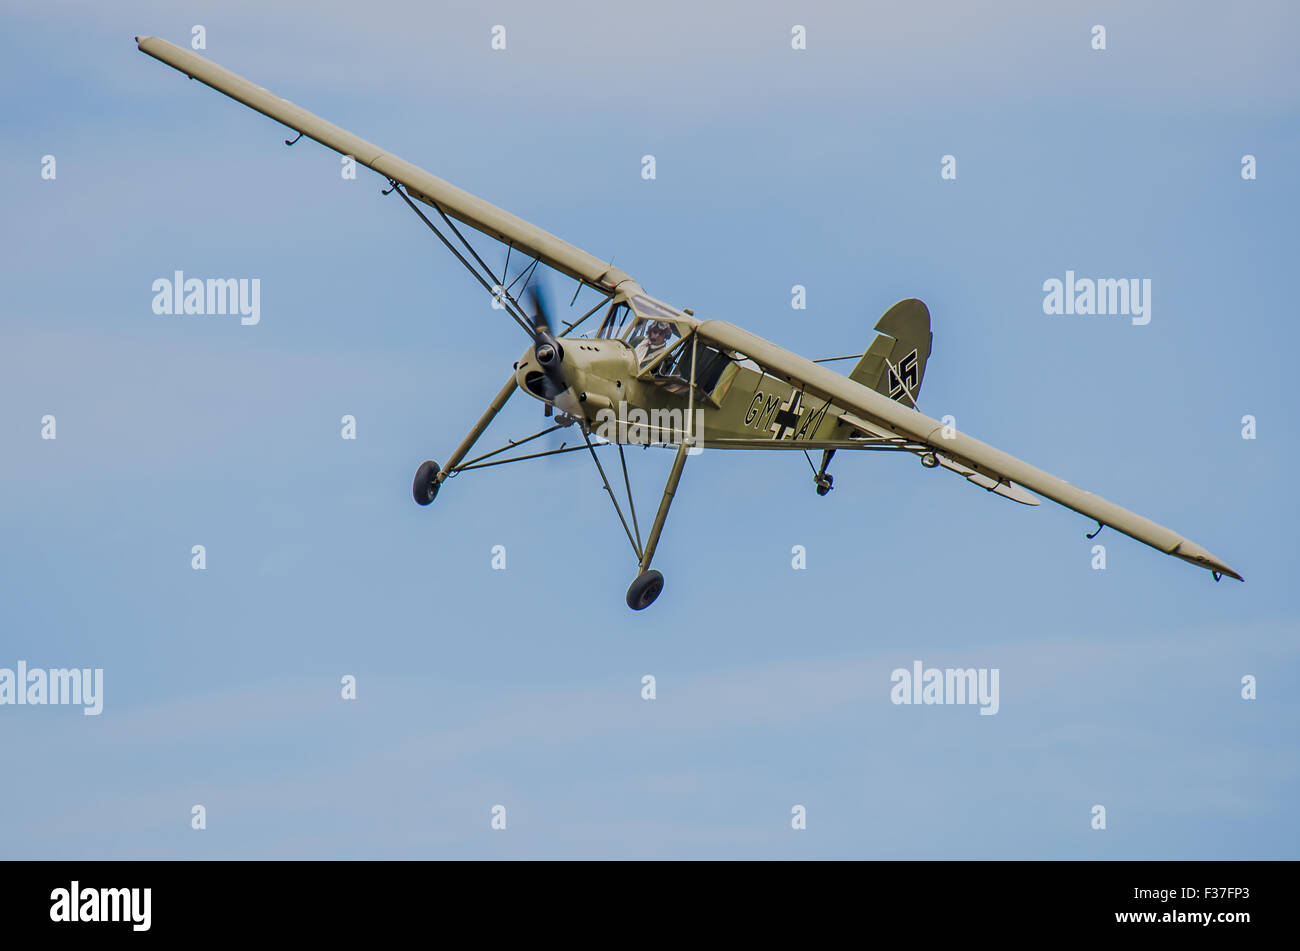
(651, 373)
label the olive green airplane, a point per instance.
(650, 373)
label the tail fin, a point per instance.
(894, 364)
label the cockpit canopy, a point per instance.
(629, 319)
(652, 329)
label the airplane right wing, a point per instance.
(985, 465)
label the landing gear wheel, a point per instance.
(825, 484)
(929, 460)
(425, 486)
(643, 591)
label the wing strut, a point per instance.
(635, 542)
(511, 305)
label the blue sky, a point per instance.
(523, 687)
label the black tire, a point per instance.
(825, 484)
(425, 486)
(643, 591)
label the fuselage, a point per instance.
(730, 400)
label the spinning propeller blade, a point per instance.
(547, 348)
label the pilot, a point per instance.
(656, 339)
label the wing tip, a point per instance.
(1197, 555)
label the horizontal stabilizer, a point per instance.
(1002, 487)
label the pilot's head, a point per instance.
(658, 332)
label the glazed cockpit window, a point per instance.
(615, 322)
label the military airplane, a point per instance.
(651, 373)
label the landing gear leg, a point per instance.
(823, 479)
(430, 477)
(649, 583)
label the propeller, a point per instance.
(546, 346)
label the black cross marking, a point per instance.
(787, 417)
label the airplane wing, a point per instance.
(457, 203)
(875, 413)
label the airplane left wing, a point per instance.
(457, 203)
(983, 464)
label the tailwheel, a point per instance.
(425, 486)
(643, 591)
(825, 484)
